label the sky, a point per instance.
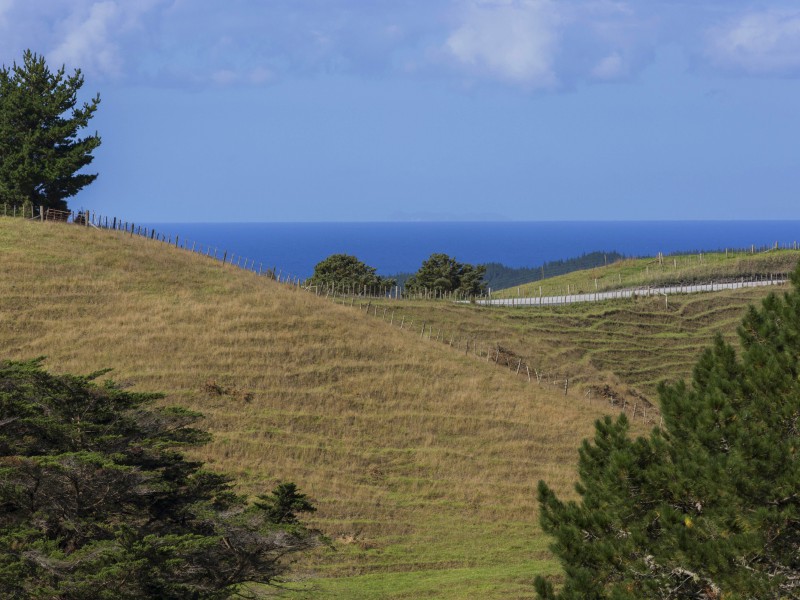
(428, 110)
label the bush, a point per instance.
(97, 501)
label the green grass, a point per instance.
(668, 270)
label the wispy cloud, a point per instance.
(761, 43)
(543, 44)
(513, 40)
(610, 68)
(88, 40)
(530, 44)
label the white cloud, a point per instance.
(87, 42)
(533, 44)
(765, 42)
(610, 68)
(512, 40)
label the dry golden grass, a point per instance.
(422, 459)
(618, 349)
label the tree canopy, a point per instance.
(347, 272)
(41, 153)
(709, 506)
(98, 502)
(441, 273)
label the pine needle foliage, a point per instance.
(98, 502)
(707, 507)
(442, 273)
(41, 154)
(346, 272)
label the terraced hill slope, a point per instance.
(615, 349)
(422, 459)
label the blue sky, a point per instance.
(344, 110)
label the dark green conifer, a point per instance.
(98, 502)
(708, 507)
(41, 153)
(441, 273)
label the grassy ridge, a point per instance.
(422, 460)
(668, 270)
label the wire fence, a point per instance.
(641, 292)
(98, 221)
(362, 297)
(634, 404)
(568, 294)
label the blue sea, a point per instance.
(400, 247)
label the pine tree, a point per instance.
(443, 273)
(346, 272)
(98, 502)
(708, 507)
(41, 155)
(283, 504)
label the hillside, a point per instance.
(421, 453)
(618, 349)
(684, 269)
(423, 460)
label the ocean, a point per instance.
(400, 247)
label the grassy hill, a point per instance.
(421, 453)
(422, 460)
(681, 269)
(617, 348)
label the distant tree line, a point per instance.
(440, 274)
(499, 276)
